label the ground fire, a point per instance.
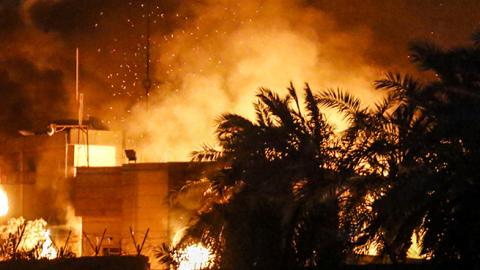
(20, 238)
(26, 239)
(194, 257)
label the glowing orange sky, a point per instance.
(208, 57)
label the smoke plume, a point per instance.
(207, 57)
(216, 62)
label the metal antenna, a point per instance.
(76, 73)
(147, 82)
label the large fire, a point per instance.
(19, 237)
(3, 202)
(26, 239)
(194, 257)
(48, 249)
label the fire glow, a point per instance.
(194, 257)
(48, 249)
(26, 238)
(3, 202)
(211, 70)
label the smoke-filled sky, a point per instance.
(207, 57)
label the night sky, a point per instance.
(210, 40)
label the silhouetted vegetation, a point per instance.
(424, 139)
(81, 263)
(296, 196)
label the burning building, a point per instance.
(36, 170)
(79, 179)
(127, 206)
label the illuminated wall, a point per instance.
(132, 195)
(95, 155)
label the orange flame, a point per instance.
(3, 202)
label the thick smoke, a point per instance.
(37, 62)
(208, 57)
(226, 50)
(31, 87)
(217, 61)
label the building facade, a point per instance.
(120, 204)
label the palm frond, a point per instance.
(388, 103)
(344, 102)
(293, 94)
(384, 105)
(166, 255)
(398, 82)
(277, 106)
(314, 114)
(425, 54)
(229, 121)
(263, 117)
(207, 153)
(311, 103)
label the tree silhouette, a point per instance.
(385, 147)
(291, 189)
(416, 156)
(280, 206)
(452, 223)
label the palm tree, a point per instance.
(453, 224)
(283, 200)
(384, 146)
(416, 155)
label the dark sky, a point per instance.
(38, 40)
(395, 23)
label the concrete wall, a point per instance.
(145, 207)
(132, 196)
(120, 198)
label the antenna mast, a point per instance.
(147, 82)
(76, 73)
(79, 99)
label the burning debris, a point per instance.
(194, 257)
(21, 239)
(27, 239)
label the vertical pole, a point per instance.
(76, 73)
(80, 109)
(88, 148)
(66, 154)
(22, 177)
(80, 128)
